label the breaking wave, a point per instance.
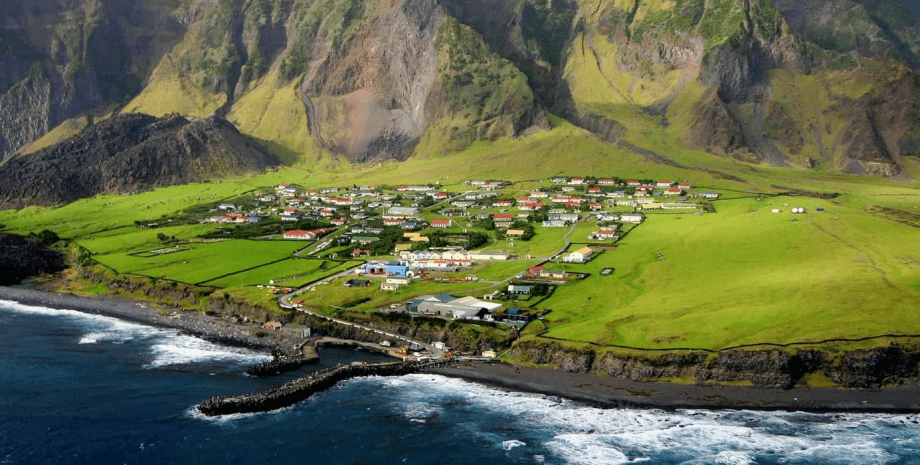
(167, 347)
(571, 433)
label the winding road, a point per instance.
(285, 301)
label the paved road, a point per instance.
(285, 302)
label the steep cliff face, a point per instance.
(130, 153)
(754, 79)
(369, 97)
(877, 28)
(771, 81)
(21, 259)
(61, 59)
(761, 368)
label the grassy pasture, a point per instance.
(546, 242)
(99, 213)
(130, 239)
(747, 275)
(499, 271)
(335, 294)
(294, 272)
(203, 262)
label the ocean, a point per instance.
(78, 389)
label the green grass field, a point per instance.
(746, 275)
(203, 262)
(130, 239)
(499, 271)
(335, 294)
(294, 272)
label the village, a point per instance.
(482, 231)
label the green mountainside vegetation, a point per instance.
(773, 104)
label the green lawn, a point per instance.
(336, 294)
(746, 275)
(203, 262)
(95, 214)
(546, 242)
(131, 239)
(294, 272)
(499, 271)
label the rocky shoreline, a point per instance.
(589, 388)
(214, 329)
(608, 392)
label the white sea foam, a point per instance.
(36, 310)
(511, 444)
(583, 435)
(168, 347)
(101, 328)
(195, 414)
(420, 410)
(584, 449)
(733, 458)
(182, 350)
(118, 332)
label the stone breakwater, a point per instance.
(300, 389)
(280, 365)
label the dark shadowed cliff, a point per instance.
(130, 153)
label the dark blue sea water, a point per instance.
(80, 389)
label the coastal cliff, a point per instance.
(21, 258)
(762, 368)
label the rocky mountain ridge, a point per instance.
(130, 153)
(770, 81)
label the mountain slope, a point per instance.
(130, 153)
(828, 84)
(61, 59)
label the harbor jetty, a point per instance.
(300, 389)
(280, 365)
(307, 355)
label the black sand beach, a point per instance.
(212, 328)
(592, 389)
(604, 391)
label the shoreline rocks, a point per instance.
(281, 365)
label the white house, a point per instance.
(678, 206)
(605, 234)
(489, 256)
(300, 235)
(581, 255)
(632, 218)
(402, 211)
(564, 217)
